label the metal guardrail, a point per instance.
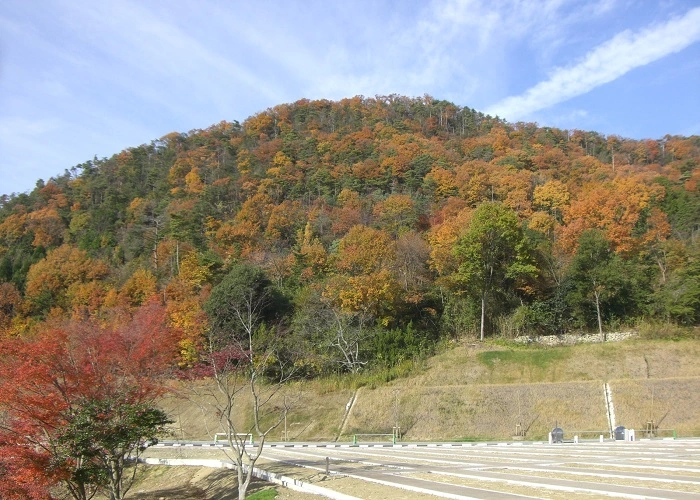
(226, 435)
(655, 433)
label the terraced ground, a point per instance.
(483, 391)
(466, 395)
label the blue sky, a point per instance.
(85, 78)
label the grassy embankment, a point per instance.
(481, 391)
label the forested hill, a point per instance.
(383, 224)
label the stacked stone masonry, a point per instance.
(570, 339)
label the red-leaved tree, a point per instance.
(50, 382)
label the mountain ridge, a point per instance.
(302, 190)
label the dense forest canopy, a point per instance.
(376, 222)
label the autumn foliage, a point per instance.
(347, 233)
(46, 379)
(355, 208)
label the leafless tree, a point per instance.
(250, 375)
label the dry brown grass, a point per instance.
(671, 403)
(313, 415)
(465, 394)
(197, 483)
(479, 411)
(629, 359)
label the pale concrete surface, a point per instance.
(668, 469)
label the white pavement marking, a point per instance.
(549, 486)
(322, 455)
(419, 460)
(436, 492)
(492, 463)
(602, 458)
(597, 473)
(506, 467)
(397, 484)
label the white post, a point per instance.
(632, 437)
(601, 438)
(550, 438)
(576, 439)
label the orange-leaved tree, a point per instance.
(49, 279)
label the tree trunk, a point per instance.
(597, 310)
(115, 473)
(483, 314)
(662, 267)
(242, 486)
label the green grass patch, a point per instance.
(379, 376)
(540, 358)
(666, 331)
(268, 494)
(371, 378)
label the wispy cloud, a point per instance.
(79, 77)
(605, 63)
(160, 51)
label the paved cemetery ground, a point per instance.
(668, 469)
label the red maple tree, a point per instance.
(45, 380)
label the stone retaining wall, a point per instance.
(571, 339)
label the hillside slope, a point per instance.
(484, 391)
(371, 210)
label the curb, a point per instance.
(271, 477)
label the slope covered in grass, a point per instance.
(482, 391)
